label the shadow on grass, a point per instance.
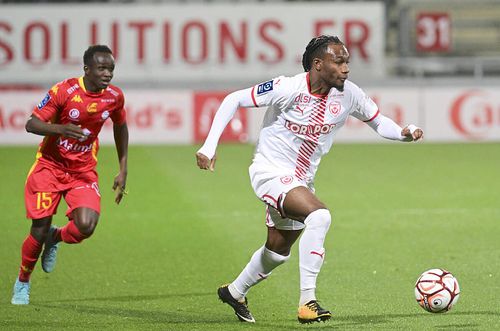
(181, 315)
(187, 314)
(356, 322)
(130, 298)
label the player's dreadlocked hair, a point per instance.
(316, 48)
(88, 56)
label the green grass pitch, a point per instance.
(155, 262)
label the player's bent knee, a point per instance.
(87, 226)
(320, 218)
(89, 229)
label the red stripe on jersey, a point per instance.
(371, 119)
(253, 98)
(308, 146)
(303, 161)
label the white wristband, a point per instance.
(412, 128)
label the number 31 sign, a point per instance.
(433, 32)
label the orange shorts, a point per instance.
(46, 185)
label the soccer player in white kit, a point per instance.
(304, 113)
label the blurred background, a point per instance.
(432, 63)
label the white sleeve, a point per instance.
(226, 111)
(364, 108)
(386, 128)
(271, 92)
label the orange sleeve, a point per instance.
(50, 104)
(119, 116)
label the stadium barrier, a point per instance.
(460, 114)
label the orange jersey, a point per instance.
(69, 102)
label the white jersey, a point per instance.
(299, 127)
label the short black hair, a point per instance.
(88, 56)
(316, 48)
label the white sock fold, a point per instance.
(261, 264)
(312, 252)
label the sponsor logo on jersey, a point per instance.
(74, 113)
(334, 108)
(92, 108)
(302, 98)
(299, 109)
(73, 88)
(74, 147)
(105, 115)
(264, 87)
(44, 101)
(309, 129)
(77, 98)
(107, 100)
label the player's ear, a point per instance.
(316, 63)
(86, 68)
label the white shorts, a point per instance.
(271, 186)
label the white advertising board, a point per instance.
(471, 114)
(153, 117)
(458, 114)
(184, 43)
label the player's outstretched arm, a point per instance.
(37, 126)
(120, 133)
(205, 157)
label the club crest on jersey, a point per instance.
(44, 101)
(264, 87)
(105, 115)
(334, 108)
(286, 180)
(74, 113)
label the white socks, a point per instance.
(312, 252)
(261, 264)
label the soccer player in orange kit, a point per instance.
(70, 118)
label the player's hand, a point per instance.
(119, 187)
(205, 163)
(412, 132)
(74, 131)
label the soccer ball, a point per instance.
(437, 290)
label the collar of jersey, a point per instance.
(309, 88)
(82, 85)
